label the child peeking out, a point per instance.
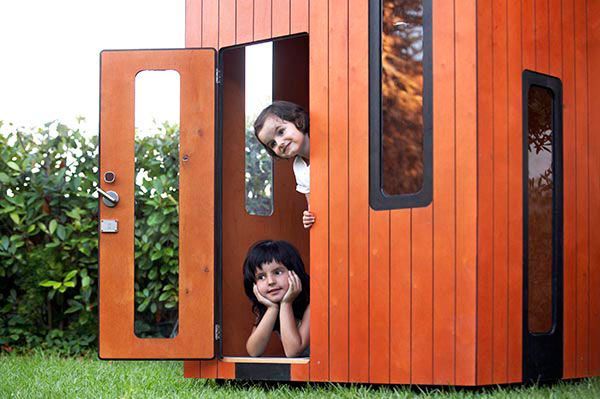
(278, 287)
(282, 128)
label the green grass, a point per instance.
(48, 376)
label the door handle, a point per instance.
(109, 198)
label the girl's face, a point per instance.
(283, 137)
(272, 281)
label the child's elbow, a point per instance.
(252, 352)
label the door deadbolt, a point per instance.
(109, 198)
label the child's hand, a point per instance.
(308, 219)
(294, 288)
(262, 299)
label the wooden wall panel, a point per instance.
(191, 369)
(319, 233)
(379, 297)
(227, 23)
(570, 186)
(485, 193)
(281, 17)
(422, 296)
(500, 195)
(391, 326)
(593, 40)
(581, 125)
(542, 35)
(338, 190)
(193, 23)
(515, 194)
(466, 191)
(358, 201)
(210, 23)
(444, 195)
(244, 21)
(299, 16)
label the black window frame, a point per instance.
(543, 352)
(378, 199)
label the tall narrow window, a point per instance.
(259, 164)
(156, 203)
(400, 104)
(543, 201)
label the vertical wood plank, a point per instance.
(542, 36)
(300, 372)
(208, 368)
(500, 170)
(226, 370)
(379, 297)
(422, 296)
(444, 244)
(486, 196)
(593, 31)
(193, 23)
(582, 148)
(299, 16)
(245, 21)
(338, 190)
(262, 19)
(466, 191)
(570, 186)
(191, 369)
(210, 23)
(227, 23)
(281, 17)
(528, 33)
(556, 38)
(400, 297)
(319, 233)
(358, 201)
(515, 195)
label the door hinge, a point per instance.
(217, 332)
(218, 76)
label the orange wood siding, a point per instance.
(393, 292)
(593, 40)
(557, 38)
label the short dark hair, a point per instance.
(285, 110)
(282, 252)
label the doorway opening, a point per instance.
(258, 195)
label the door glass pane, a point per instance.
(259, 164)
(402, 96)
(540, 216)
(156, 203)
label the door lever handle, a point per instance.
(110, 198)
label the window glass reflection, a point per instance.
(402, 96)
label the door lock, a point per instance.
(110, 198)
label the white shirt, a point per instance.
(302, 173)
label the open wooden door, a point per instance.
(196, 335)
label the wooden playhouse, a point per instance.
(453, 176)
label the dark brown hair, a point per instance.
(285, 110)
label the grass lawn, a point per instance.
(48, 376)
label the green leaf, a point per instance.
(4, 178)
(70, 275)
(14, 166)
(85, 281)
(50, 283)
(68, 284)
(4, 242)
(60, 232)
(164, 296)
(15, 218)
(52, 226)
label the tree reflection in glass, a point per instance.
(540, 187)
(402, 96)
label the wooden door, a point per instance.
(195, 338)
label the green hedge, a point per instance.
(49, 236)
